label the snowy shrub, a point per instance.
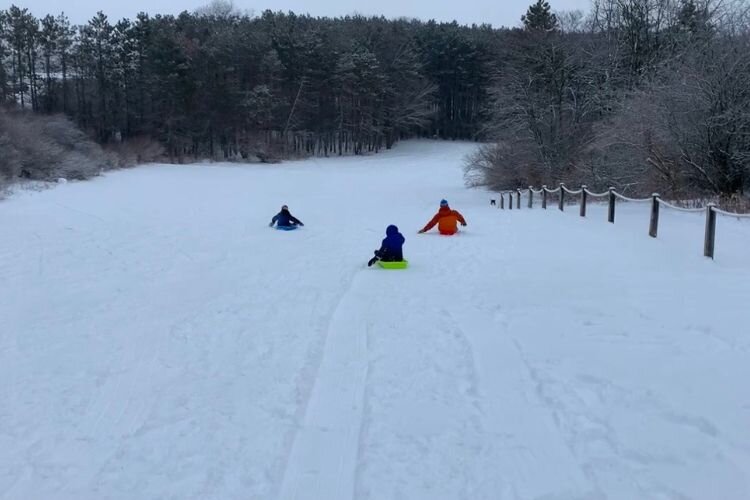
(136, 151)
(47, 148)
(10, 164)
(499, 166)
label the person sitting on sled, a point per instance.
(446, 219)
(391, 250)
(285, 219)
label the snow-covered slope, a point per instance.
(158, 340)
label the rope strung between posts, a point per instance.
(620, 196)
(570, 191)
(709, 235)
(680, 209)
(597, 195)
(634, 200)
(731, 214)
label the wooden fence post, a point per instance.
(531, 197)
(710, 239)
(584, 198)
(653, 228)
(502, 201)
(510, 200)
(544, 197)
(611, 212)
(518, 202)
(562, 197)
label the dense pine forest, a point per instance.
(222, 84)
(640, 94)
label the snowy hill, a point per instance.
(158, 340)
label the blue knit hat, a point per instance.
(443, 203)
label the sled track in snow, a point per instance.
(323, 457)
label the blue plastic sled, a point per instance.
(286, 228)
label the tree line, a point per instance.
(219, 83)
(643, 95)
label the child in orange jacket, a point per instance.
(446, 219)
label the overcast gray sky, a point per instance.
(496, 12)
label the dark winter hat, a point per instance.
(443, 203)
(284, 207)
(390, 230)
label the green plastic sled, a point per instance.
(394, 265)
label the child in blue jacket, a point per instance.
(391, 249)
(285, 219)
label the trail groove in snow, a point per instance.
(324, 455)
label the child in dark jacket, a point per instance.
(391, 250)
(285, 219)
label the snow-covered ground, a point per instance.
(159, 341)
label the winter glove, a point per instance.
(421, 231)
(271, 224)
(463, 224)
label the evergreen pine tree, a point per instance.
(539, 17)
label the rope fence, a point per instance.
(570, 191)
(711, 210)
(596, 195)
(632, 200)
(681, 209)
(729, 214)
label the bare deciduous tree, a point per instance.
(655, 96)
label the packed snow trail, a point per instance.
(158, 340)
